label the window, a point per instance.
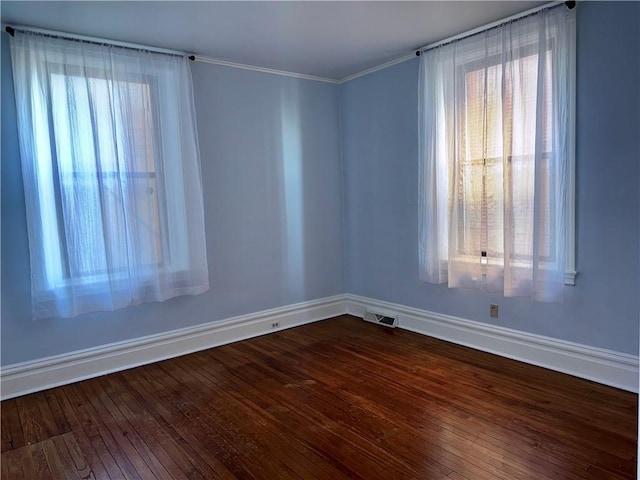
(83, 174)
(496, 158)
(111, 174)
(490, 121)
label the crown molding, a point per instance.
(254, 68)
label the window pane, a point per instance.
(108, 179)
(499, 129)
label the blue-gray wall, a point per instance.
(273, 205)
(379, 141)
(273, 176)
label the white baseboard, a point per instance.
(20, 379)
(608, 367)
(604, 366)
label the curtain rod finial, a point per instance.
(417, 53)
(192, 58)
(10, 30)
(571, 4)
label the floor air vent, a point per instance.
(385, 319)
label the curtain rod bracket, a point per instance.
(10, 30)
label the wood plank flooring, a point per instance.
(335, 399)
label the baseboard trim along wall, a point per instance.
(616, 369)
(20, 379)
(608, 367)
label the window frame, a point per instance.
(89, 282)
(570, 272)
(570, 213)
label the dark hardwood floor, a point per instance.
(336, 399)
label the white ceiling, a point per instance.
(326, 39)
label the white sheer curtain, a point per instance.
(111, 173)
(494, 124)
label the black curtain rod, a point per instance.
(571, 4)
(97, 41)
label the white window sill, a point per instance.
(569, 275)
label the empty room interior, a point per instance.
(320, 240)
